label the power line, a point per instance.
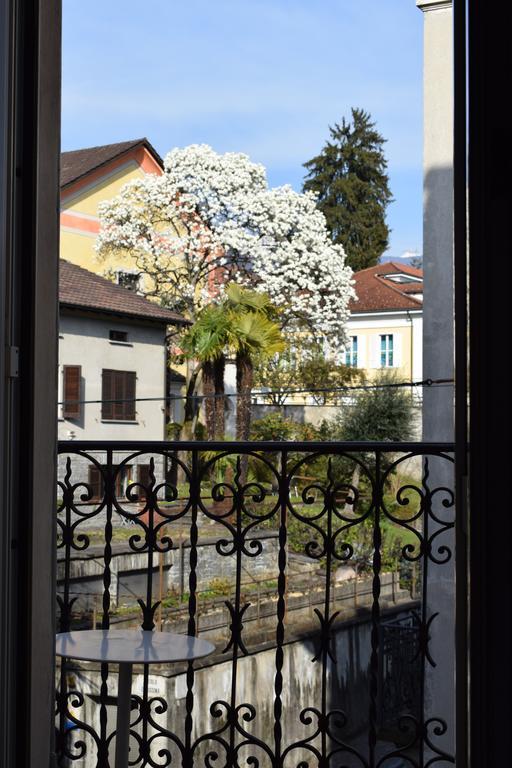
(268, 392)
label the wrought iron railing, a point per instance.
(150, 529)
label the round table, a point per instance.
(127, 647)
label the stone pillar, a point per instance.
(438, 358)
(438, 344)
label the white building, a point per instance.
(386, 319)
(112, 361)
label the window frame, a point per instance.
(121, 274)
(71, 406)
(118, 395)
(113, 332)
(387, 340)
(351, 353)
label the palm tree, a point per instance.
(243, 325)
(252, 334)
(206, 342)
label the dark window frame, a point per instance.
(129, 280)
(121, 337)
(71, 405)
(118, 395)
(123, 478)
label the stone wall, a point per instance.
(130, 569)
(347, 689)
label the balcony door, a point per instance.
(29, 243)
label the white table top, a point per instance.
(131, 646)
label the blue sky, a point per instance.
(265, 77)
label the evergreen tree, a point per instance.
(349, 176)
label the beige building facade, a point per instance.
(385, 327)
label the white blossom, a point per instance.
(211, 218)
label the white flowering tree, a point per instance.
(212, 218)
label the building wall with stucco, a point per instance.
(79, 222)
(84, 341)
(406, 330)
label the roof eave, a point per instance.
(127, 315)
(142, 143)
(395, 311)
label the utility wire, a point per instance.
(266, 393)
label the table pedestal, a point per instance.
(124, 700)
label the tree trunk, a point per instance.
(189, 421)
(349, 508)
(209, 391)
(244, 382)
(218, 374)
(191, 406)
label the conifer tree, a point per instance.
(349, 177)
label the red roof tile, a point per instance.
(82, 289)
(80, 162)
(377, 293)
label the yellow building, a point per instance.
(386, 319)
(88, 177)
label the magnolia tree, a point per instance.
(212, 218)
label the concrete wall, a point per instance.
(131, 570)
(84, 340)
(347, 689)
(438, 355)
(315, 414)
(438, 336)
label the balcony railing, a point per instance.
(323, 573)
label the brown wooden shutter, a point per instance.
(129, 388)
(118, 387)
(96, 482)
(118, 394)
(144, 480)
(107, 410)
(72, 375)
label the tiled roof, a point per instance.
(376, 292)
(80, 162)
(82, 289)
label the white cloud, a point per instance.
(411, 254)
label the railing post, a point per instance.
(195, 491)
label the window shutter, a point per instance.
(143, 479)
(107, 411)
(375, 351)
(118, 394)
(95, 482)
(129, 405)
(118, 387)
(397, 349)
(362, 351)
(72, 375)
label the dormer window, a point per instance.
(402, 277)
(128, 280)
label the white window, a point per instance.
(351, 353)
(386, 350)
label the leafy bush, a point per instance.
(383, 413)
(273, 426)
